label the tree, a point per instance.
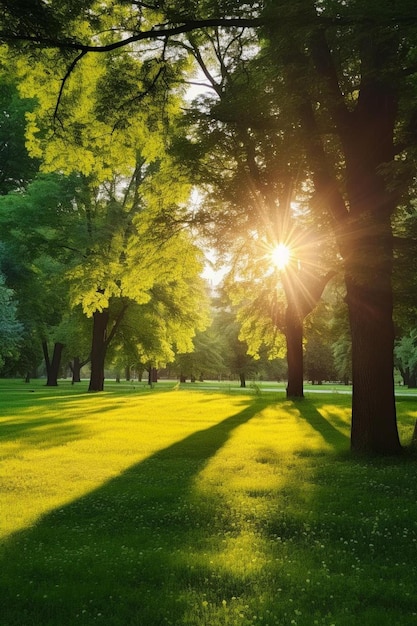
(131, 202)
(41, 232)
(135, 259)
(10, 328)
(244, 151)
(205, 360)
(406, 358)
(320, 338)
(74, 331)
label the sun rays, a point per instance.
(280, 256)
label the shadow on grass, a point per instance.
(62, 430)
(330, 542)
(332, 435)
(115, 555)
(47, 420)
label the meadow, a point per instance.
(200, 506)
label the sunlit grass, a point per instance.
(150, 507)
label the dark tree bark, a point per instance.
(294, 341)
(412, 380)
(152, 375)
(242, 379)
(366, 243)
(75, 366)
(303, 292)
(100, 342)
(98, 350)
(369, 299)
(52, 367)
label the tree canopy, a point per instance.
(337, 82)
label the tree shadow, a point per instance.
(331, 435)
(151, 547)
(115, 554)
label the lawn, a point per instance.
(200, 506)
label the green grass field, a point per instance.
(200, 506)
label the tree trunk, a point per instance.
(75, 367)
(412, 380)
(374, 426)
(368, 268)
(294, 340)
(152, 375)
(127, 373)
(98, 350)
(242, 379)
(52, 367)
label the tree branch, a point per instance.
(117, 323)
(153, 33)
(68, 73)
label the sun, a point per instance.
(280, 256)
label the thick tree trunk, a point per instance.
(294, 340)
(242, 379)
(52, 367)
(98, 350)
(368, 268)
(374, 426)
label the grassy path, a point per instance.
(141, 507)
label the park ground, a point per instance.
(200, 505)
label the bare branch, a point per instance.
(64, 80)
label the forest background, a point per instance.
(304, 136)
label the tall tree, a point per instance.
(347, 79)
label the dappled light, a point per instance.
(200, 508)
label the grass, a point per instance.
(141, 507)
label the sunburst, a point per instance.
(280, 256)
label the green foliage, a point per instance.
(17, 168)
(10, 328)
(319, 345)
(42, 237)
(207, 358)
(405, 353)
